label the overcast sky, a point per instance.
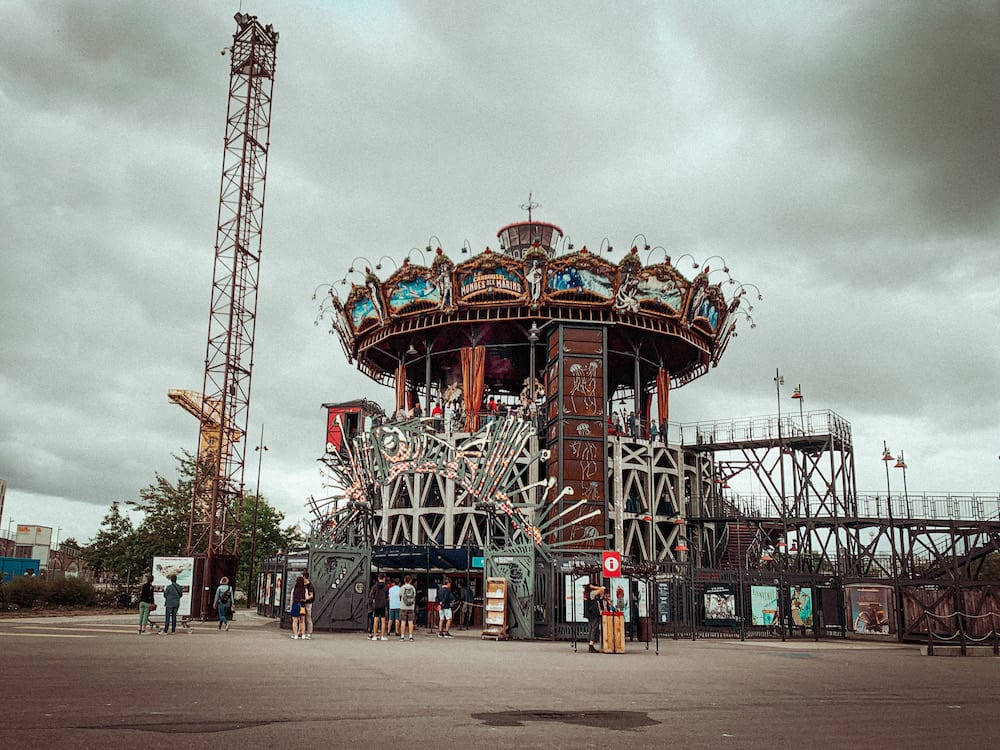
(842, 156)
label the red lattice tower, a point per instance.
(214, 529)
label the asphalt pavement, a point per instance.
(92, 682)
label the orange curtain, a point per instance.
(400, 388)
(473, 383)
(663, 394)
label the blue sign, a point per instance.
(478, 562)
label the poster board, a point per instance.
(763, 605)
(720, 605)
(620, 592)
(575, 614)
(801, 606)
(663, 601)
(870, 609)
(495, 608)
(296, 567)
(183, 568)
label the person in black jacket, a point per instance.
(380, 606)
(446, 599)
(145, 603)
(594, 601)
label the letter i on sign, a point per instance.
(611, 562)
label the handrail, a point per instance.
(961, 634)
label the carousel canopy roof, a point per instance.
(427, 313)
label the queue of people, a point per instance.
(396, 607)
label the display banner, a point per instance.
(720, 605)
(870, 609)
(618, 591)
(295, 567)
(663, 601)
(575, 614)
(801, 607)
(763, 605)
(183, 568)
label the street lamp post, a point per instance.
(901, 464)
(251, 589)
(532, 410)
(893, 562)
(778, 382)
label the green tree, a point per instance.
(165, 506)
(166, 511)
(114, 552)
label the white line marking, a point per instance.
(47, 635)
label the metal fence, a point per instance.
(814, 423)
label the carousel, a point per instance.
(585, 349)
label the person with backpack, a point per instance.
(172, 594)
(407, 607)
(223, 602)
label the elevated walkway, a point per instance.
(809, 432)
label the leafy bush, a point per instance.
(24, 593)
(71, 592)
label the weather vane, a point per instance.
(530, 205)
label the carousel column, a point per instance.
(617, 500)
(427, 379)
(575, 410)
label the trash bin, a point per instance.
(645, 629)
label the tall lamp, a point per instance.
(251, 588)
(893, 561)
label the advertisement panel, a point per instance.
(619, 592)
(575, 613)
(763, 605)
(183, 568)
(641, 605)
(663, 601)
(720, 605)
(801, 606)
(870, 609)
(296, 567)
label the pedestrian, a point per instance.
(146, 603)
(172, 594)
(407, 607)
(631, 425)
(468, 597)
(394, 626)
(298, 596)
(653, 431)
(307, 606)
(593, 602)
(223, 602)
(380, 603)
(445, 601)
